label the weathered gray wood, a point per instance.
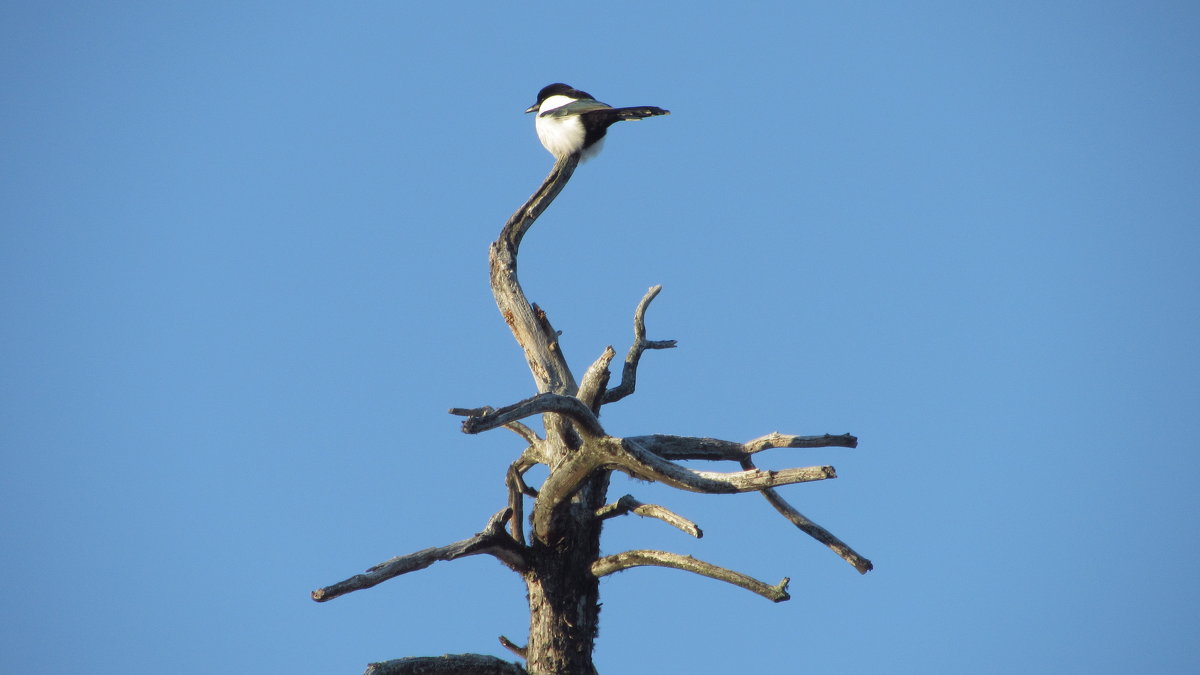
(629, 456)
(860, 562)
(686, 447)
(595, 380)
(628, 504)
(623, 561)
(571, 407)
(530, 327)
(560, 560)
(492, 541)
(640, 345)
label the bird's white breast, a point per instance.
(560, 135)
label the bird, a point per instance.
(570, 121)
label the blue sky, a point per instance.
(243, 276)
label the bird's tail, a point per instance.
(638, 112)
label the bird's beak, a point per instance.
(532, 108)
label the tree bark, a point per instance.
(564, 596)
(450, 664)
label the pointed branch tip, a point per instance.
(639, 558)
(628, 504)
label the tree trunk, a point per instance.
(564, 595)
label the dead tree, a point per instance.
(559, 557)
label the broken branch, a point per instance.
(778, 440)
(628, 504)
(512, 646)
(493, 540)
(518, 428)
(687, 447)
(814, 530)
(595, 379)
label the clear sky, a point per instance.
(243, 277)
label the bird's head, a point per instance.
(557, 89)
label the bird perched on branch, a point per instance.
(570, 121)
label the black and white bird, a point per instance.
(570, 121)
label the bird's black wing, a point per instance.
(576, 108)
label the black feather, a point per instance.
(597, 122)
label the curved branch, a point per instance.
(546, 361)
(640, 344)
(627, 455)
(517, 428)
(623, 561)
(448, 664)
(493, 540)
(814, 530)
(564, 480)
(539, 404)
(522, 219)
(628, 504)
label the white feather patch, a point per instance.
(560, 135)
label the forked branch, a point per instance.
(629, 456)
(640, 344)
(618, 454)
(686, 448)
(606, 452)
(623, 561)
